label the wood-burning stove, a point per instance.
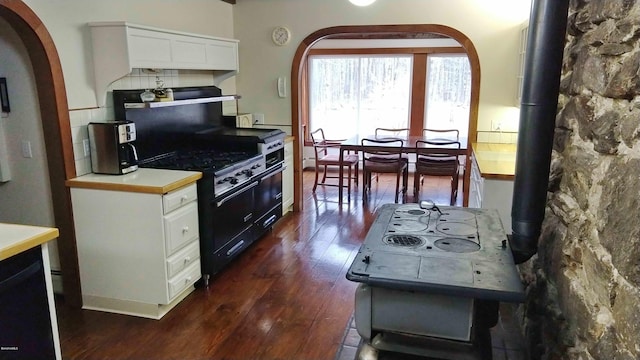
(431, 280)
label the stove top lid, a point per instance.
(241, 134)
(459, 253)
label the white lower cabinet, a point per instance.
(287, 178)
(491, 193)
(138, 253)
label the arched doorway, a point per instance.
(54, 113)
(393, 31)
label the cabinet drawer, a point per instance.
(178, 198)
(183, 258)
(181, 227)
(184, 279)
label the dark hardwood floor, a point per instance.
(286, 297)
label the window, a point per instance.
(354, 94)
(355, 90)
(448, 93)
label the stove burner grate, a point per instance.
(404, 240)
(197, 160)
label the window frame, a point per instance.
(418, 82)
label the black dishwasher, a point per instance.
(25, 322)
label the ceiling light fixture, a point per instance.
(362, 2)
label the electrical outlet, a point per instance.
(496, 125)
(258, 119)
(85, 147)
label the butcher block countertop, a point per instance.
(15, 238)
(496, 161)
(143, 180)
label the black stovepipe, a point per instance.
(543, 65)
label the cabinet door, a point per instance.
(222, 55)
(148, 49)
(183, 280)
(183, 258)
(287, 178)
(25, 322)
(178, 198)
(476, 185)
(189, 53)
(181, 227)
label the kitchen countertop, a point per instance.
(496, 161)
(143, 180)
(15, 238)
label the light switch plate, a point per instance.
(26, 149)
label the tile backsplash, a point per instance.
(137, 79)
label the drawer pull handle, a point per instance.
(185, 229)
(187, 280)
(184, 198)
(187, 259)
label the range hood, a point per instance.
(120, 47)
(538, 109)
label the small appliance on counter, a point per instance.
(112, 149)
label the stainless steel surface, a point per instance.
(237, 174)
(112, 151)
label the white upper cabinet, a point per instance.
(119, 47)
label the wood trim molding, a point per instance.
(54, 112)
(419, 86)
(392, 31)
(395, 51)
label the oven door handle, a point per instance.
(250, 186)
(271, 173)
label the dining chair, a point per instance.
(383, 132)
(383, 156)
(325, 158)
(392, 133)
(430, 162)
(441, 134)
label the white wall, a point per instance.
(66, 21)
(492, 25)
(26, 198)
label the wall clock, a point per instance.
(281, 35)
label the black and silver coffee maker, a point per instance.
(112, 149)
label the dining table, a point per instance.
(408, 146)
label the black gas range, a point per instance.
(240, 193)
(229, 169)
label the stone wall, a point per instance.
(584, 283)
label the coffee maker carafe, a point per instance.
(112, 149)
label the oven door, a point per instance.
(268, 206)
(232, 218)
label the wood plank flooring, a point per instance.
(285, 297)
